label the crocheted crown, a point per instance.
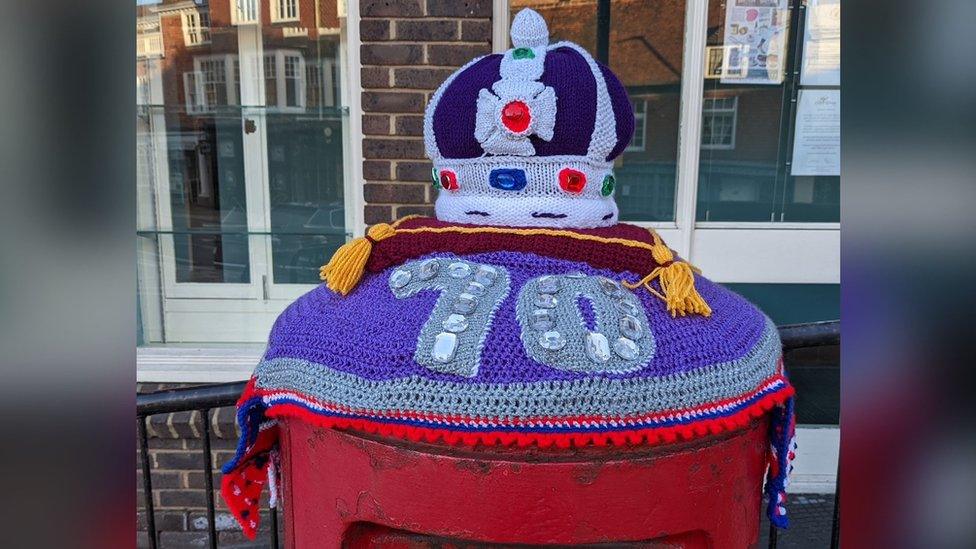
(528, 137)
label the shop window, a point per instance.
(196, 28)
(770, 117)
(237, 208)
(284, 10)
(640, 125)
(718, 122)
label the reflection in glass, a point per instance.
(644, 49)
(304, 155)
(748, 119)
(240, 133)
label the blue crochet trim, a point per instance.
(250, 413)
(782, 430)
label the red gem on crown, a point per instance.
(516, 116)
(572, 181)
(449, 180)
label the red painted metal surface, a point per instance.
(356, 491)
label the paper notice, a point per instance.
(755, 41)
(821, 44)
(816, 141)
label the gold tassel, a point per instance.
(677, 281)
(345, 269)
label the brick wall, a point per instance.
(408, 48)
(179, 495)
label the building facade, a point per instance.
(271, 131)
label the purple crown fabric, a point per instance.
(568, 73)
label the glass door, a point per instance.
(303, 123)
(241, 187)
(200, 178)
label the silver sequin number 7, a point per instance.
(451, 340)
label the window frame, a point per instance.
(251, 15)
(640, 124)
(277, 8)
(279, 56)
(722, 111)
(195, 33)
(202, 106)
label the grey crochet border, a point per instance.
(589, 396)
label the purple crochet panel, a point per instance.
(371, 334)
(454, 117)
(567, 72)
(587, 313)
(623, 112)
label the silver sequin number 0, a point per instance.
(555, 333)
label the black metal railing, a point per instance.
(206, 398)
(203, 399)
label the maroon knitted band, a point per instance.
(404, 246)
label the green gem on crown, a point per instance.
(434, 178)
(609, 182)
(523, 53)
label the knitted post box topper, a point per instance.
(524, 314)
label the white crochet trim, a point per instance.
(542, 193)
(430, 142)
(541, 175)
(273, 479)
(516, 211)
(604, 137)
(529, 30)
(519, 82)
(496, 160)
(495, 137)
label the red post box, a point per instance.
(343, 489)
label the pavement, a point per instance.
(811, 519)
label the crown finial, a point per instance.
(529, 30)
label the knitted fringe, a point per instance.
(782, 450)
(677, 281)
(344, 271)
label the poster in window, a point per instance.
(756, 32)
(816, 141)
(821, 44)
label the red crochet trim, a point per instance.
(650, 435)
(242, 487)
(523, 422)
